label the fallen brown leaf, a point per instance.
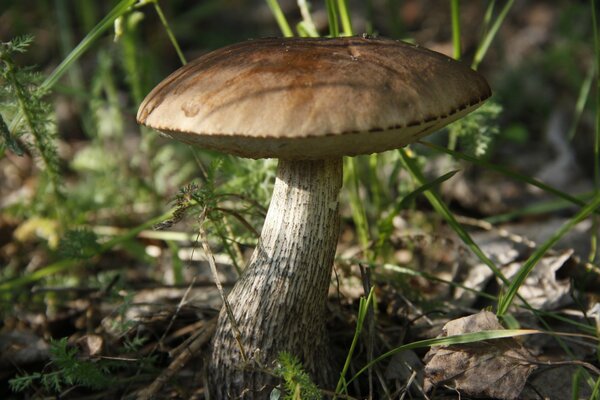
(497, 368)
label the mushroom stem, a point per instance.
(279, 303)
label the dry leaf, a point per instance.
(497, 368)
(91, 345)
(541, 289)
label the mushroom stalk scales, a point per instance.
(279, 302)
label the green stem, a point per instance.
(332, 17)
(594, 238)
(359, 214)
(363, 309)
(345, 17)
(280, 18)
(455, 12)
(487, 40)
(167, 27)
(594, 11)
(582, 98)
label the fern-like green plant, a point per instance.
(67, 370)
(296, 382)
(477, 130)
(22, 100)
(79, 243)
(22, 96)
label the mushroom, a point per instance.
(307, 102)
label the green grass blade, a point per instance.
(425, 187)
(455, 15)
(582, 98)
(448, 341)
(595, 12)
(332, 17)
(170, 34)
(280, 18)
(359, 214)
(363, 310)
(345, 17)
(507, 299)
(489, 36)
(596, 392)
(89, 39)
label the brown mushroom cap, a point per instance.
(312, 98)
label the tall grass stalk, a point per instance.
(170, 34)
(359, 214)
(363, 310)
(582, 98)
(345, 17)
(280, 18)
(332, 18)
(596, 30)
(455, 14)
(595, 12)
(443, 210)
(491, 33)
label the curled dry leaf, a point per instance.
(497, 368)
(542, 289)
(91, 345)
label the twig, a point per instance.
(213, 269)
(486, 226)
(181, 303)
(583, 364)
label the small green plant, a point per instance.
(22, 100)
(296, 382)
(79, 244)
(66, 369)
(477, 130)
